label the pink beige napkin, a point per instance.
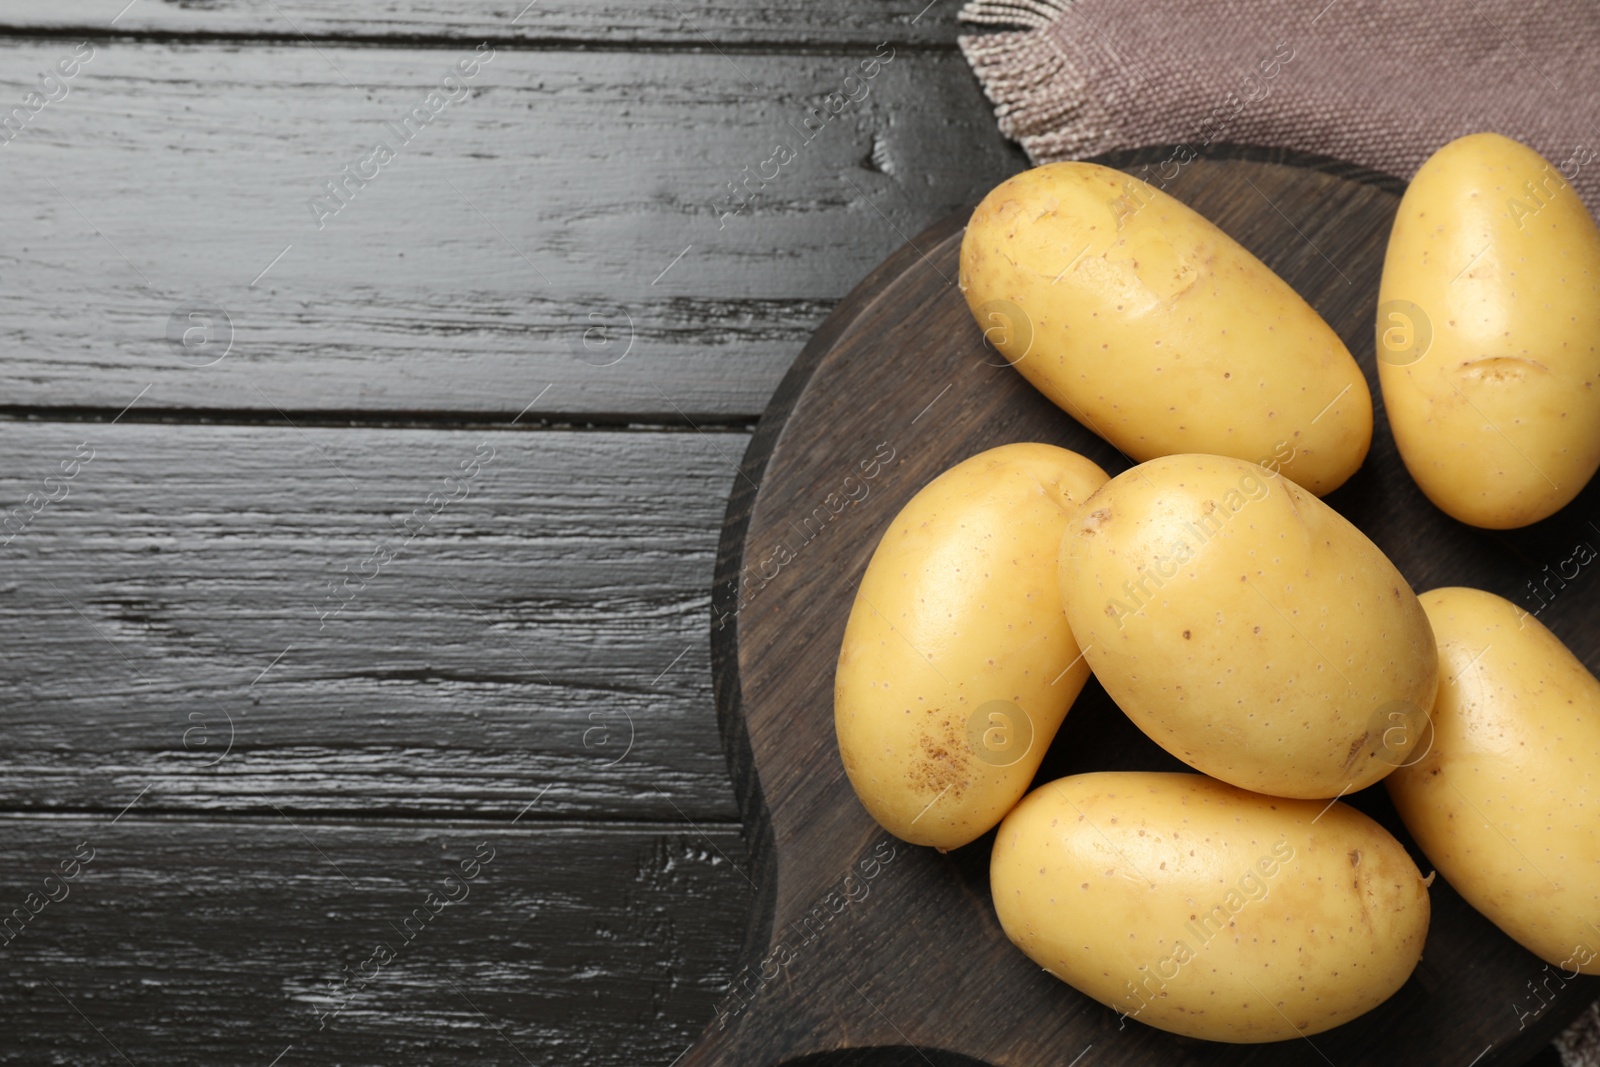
(1381, 84)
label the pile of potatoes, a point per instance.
(1239, 621)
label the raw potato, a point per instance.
(1489, 334)
(1248, 628)
(1206, 910)
(957, 665)
(1506, 802)
(1158, 331)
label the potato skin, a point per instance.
(1247, 627)
(1506, 802)
(957, 665)
(1489, 334)
(1206, 910)
(1156, 330)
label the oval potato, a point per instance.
(957, 665)
(1489, 334)
(1247, 627)
(1206, 910)
(1158, 331)
(1506, 801)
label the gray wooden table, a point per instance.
(360, 505)
(372, 383)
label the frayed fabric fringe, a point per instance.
(1023, 72)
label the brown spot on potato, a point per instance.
(1094, 520)
(942, 762)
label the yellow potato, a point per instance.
(1506, 801)
(1206, 910)
(1489, 334)
(1247, 627)
(1158, 331)
(957, 665)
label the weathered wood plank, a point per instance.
(515, 639)
(633, 22)
(570, 194)
(202, 942)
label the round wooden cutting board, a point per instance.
(866, 950)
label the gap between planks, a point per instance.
(444, 42)
(383, 419)
(333, 820)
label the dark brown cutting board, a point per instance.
(905, 962)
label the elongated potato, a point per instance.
(1506, 801)
(1489, 334)
(958, 665)
(1247, 627)
(1158, 331)
(1206, 910)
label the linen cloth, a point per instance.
(1380, 84)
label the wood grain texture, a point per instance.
(498, 667)
(697, 24)
(196, 941)
(559, 229)
(545, 628)
(922, 966)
